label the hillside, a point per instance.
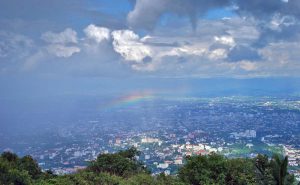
(122, 168)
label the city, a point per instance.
(167, 130)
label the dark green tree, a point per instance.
(122, 163)
(4, 168)
(9, 156)
(263, 170)
(240, 172)
(28, 164)
(280, 173)
(18, 177)
(208, 169)
(130, 153)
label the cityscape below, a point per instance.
(166, 130)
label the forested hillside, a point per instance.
(122, 168)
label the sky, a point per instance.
(150, 38)
(62, 44)
(53, 51)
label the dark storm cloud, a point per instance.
(277, 19)
(147, 13)
(267, 35)
(267, 8)
(259, 8)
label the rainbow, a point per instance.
(130, 99)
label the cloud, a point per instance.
(14, 49)
(248, 66)
(260, 8)
(217, 54)
(282, 53)
(146, 13)
(226, 40)
(129, 45)
(62, 44)
(162, 52)
(260, 37)
(275, 19)
(97, 34)
(14, 46)
(65, 37)
(278, 22)
(62, 51)
(185, 50)
(32, 61)
(268, 8)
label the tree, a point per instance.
(123, 168)
(239, 172)
(4, 168)
(10, 157)
(130, 153)
(122, 163)
(27, 163)
(279, 170)
(274, 171)
(18, 177)
(263, 170)
(208, 169)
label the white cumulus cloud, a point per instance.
(97, 33)
(226, 40)
(129, 46)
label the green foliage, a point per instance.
(215, 169)
(15, 170)
(273, 171)
(263, 170)
(83, 178)
(18, 177)
(279, 170)
(210, 169)
(130, 153)
(240, 171)
(168, 180)
(122, 168)
(144, 179)
(27, 163)
(10, 157)
(122, 163)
